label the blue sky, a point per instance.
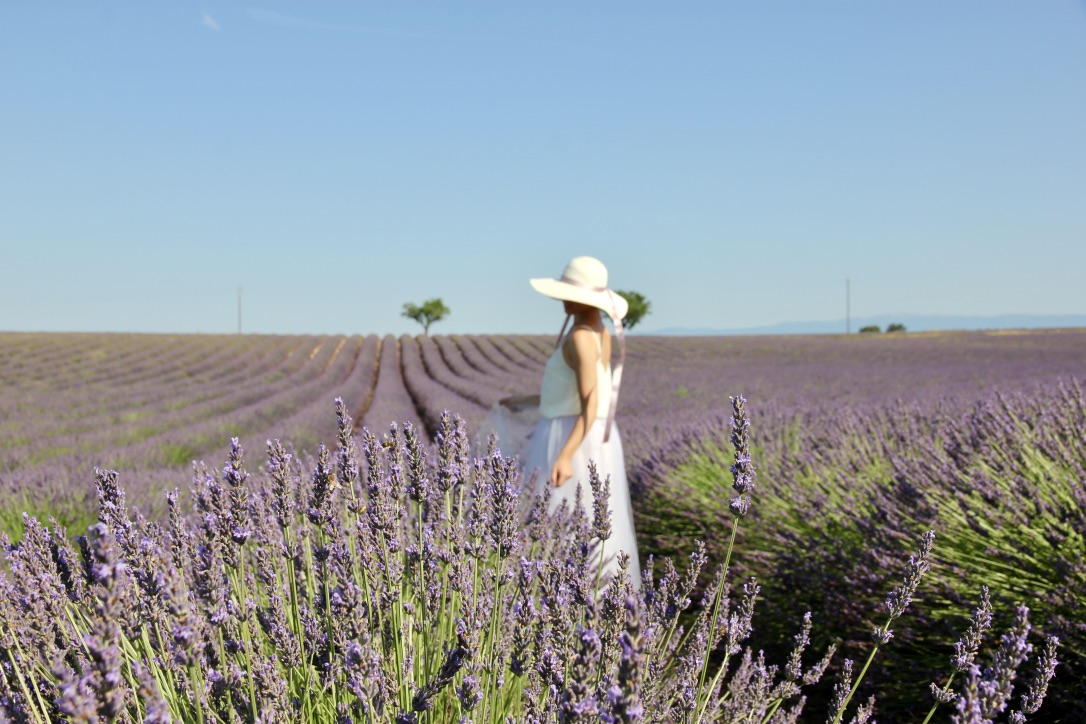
(733, 161)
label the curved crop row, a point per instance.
(152, 383)
(122, 361)
(214, 402)
(538, 347)
(298, 414)
(92, 360)
(265, 404)
(506, 381)
(454, 360)
(391, 401)
(486, 349)
(475, 359)
(430, 396)
(272, 402)
(174, 436)
(516, 355)
(470, 389)
(37, 358)
(77, 410)
(312, 423)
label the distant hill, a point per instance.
(912, 322)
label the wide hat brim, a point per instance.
(605, 299)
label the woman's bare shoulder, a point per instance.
(584, 337)
(580, 344)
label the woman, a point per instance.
(577, 406)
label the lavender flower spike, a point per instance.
(986, 693)
(1031, 700)
(965, 651)
(578, 704)
(899, 598)
(842, 691)
(454, 661)
(601, 494)
(999, 677)
(626, 693)
(742, 469)
(236, 477)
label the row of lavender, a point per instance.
(398, 585)
(71, 406)
(1002, 479)
(829, 411)
(151, 404)
(673, 384)
(154, 403)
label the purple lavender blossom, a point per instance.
(321, 510)
(601, 496)
(742, 469)
(237, 523)
(578, 702)
(346, 454)
(965, 650)
(919, 564)
(739, 623)
(988, 692)
(841, 691)
(454, 661)
(103, 643)
(625, 695)
(1038, 687)
(524, 617)
(505, 505)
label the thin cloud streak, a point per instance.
(209, 22)
(271, 17)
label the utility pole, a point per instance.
(848, 307)
(239, 310)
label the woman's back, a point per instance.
(558, 394)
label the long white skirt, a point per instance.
(543, 446)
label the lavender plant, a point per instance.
(1002, 479)
(378, 583)
(395, 587)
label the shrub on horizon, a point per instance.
(638, 307)
(430, 311)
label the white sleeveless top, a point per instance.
(558, 396)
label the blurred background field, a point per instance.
(861, 443)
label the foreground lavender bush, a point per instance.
(1003, 480)
(394, 587)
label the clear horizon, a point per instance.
(733, 162)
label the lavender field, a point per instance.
(860, 444)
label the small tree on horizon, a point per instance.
(639, 307)
(430, 311)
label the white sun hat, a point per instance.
(584, 280)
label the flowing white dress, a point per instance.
(559, 408)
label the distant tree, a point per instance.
(432, 310)
(639, 307)
(870, 328)
(895, 327)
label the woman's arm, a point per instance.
(582, 354)
(519, 402)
